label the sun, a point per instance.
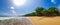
(19, 2)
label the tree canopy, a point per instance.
(40, 11)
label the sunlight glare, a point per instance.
(19, 2)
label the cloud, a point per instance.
(59, 7)
(12, 8)
(13, 11)
(53, 1)
(7, 14)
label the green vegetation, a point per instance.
(40, 11)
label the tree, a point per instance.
(39, 11)
(45, 12)
(31, 14)
(53, 11)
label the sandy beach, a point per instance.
(45, 20)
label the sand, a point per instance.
(45, 20)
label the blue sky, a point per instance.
(28, 7)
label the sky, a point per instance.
(7, 7)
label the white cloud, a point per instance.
(53, 1)
(59, 7)
(12, 8)
(6, 14)
(13, 11)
